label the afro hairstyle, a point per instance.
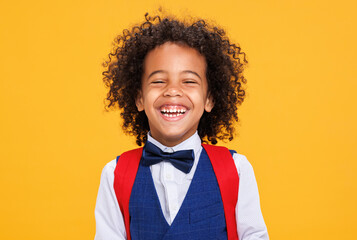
(224, 60)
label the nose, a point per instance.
(173, 91)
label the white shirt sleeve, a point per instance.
(109, 219)
(250, 222)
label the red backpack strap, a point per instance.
(228, 181)
(124, 177)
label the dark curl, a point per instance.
(225, 64)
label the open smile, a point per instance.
(173, 112)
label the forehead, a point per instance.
(174, 57)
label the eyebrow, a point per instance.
(155, 72)
(192, 72)
(162, 71)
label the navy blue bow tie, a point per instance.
(182, 160)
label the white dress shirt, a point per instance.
(171, 186)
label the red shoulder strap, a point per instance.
(228, 181)
(124, 177)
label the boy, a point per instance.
(177, 84)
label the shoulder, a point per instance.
(119, 160)
(242, 164)
(108, 169)
(110, 165)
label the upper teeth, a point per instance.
(173, 110)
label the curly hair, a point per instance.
(224, 60)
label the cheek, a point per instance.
(198, 97)
(151, 97)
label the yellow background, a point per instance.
(298, 123)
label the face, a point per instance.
(174, 92)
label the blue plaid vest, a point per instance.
(201, 215)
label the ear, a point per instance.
(209, 104)
(139, 102)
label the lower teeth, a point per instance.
(172, 115)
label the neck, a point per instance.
(171, 142)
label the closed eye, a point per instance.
(157, 81)
(190, 81)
